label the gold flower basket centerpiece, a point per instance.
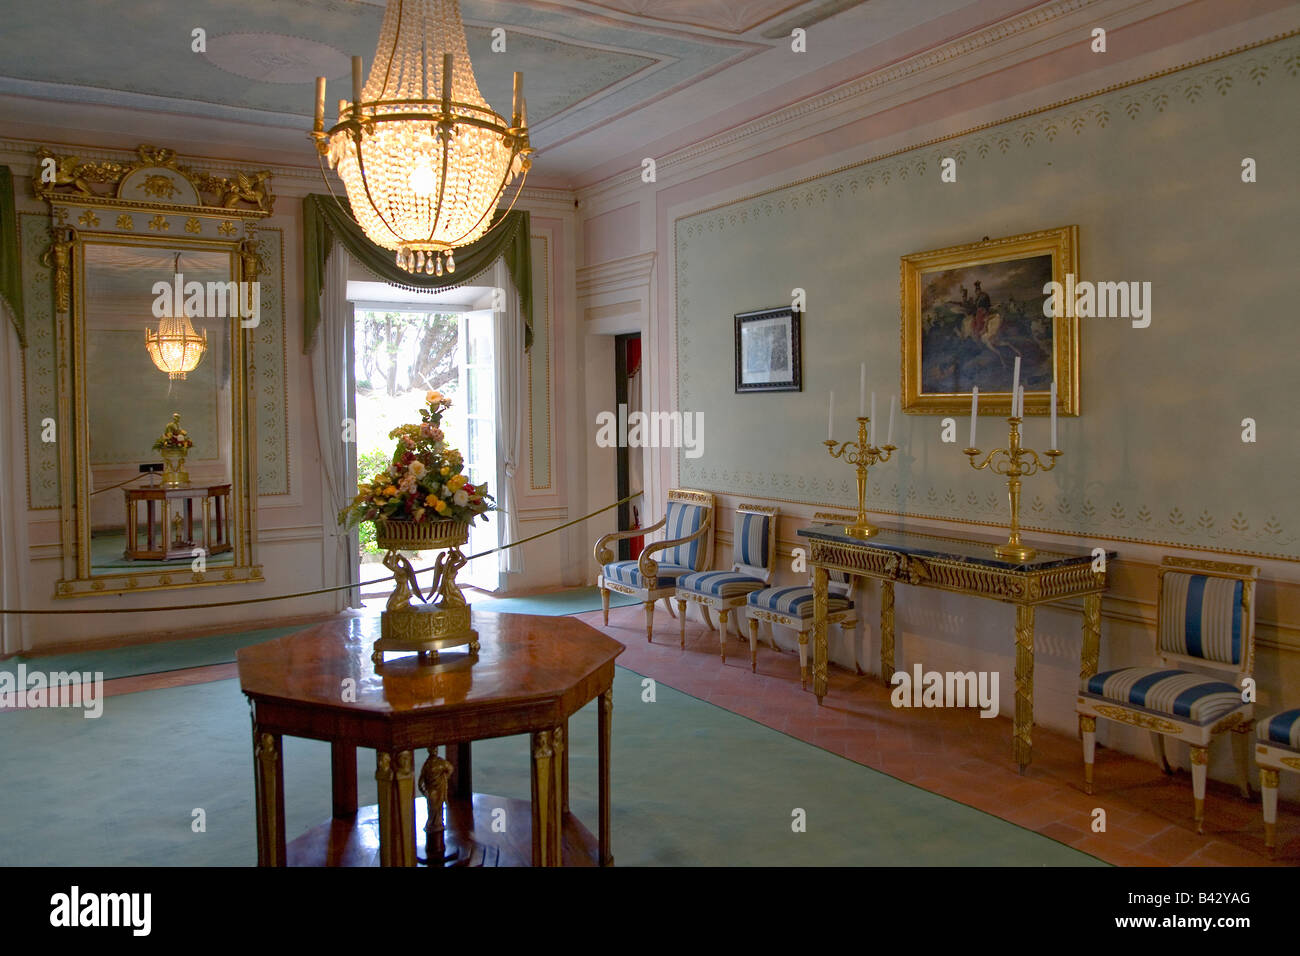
(422, 502)
(174, 446)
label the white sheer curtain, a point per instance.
(10, 511)
(511, 380)
(331, 367)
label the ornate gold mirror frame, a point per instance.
(152, 201)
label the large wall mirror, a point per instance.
(156, 295)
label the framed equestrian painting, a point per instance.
(768, 353)
(968, 313)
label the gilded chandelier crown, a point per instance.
(422, 156)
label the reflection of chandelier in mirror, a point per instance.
(175, 348)
(422, 156)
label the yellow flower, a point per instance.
(440, 506)
(390, 490)
(456, 482)
(432, 397)
(431, 500)
(445, 470)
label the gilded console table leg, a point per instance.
(395, 775)
(820, 586)
(268, 774)
(434, 777)
(887, 630)
(546, 810)
(1090, 657)
(1024, 721)
(343, 773)
(681, 622)
(604, 723)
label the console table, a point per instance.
(530, 676)
(160, 544)
(965, 565)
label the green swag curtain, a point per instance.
(11, 279)
(325, 219)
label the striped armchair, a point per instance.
(792, 607)
(1277, 747)
(753, 552)
(1204, 618)
(687, 547)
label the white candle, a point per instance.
(974, 413)
(862, 391)
(830, 418)
(1054, 446)
(872, 436)
(889, 438)
(1015, 386)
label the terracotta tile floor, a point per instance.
(959, 755)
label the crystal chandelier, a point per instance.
(422, 156)
(176, 348)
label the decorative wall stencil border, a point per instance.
(40, 385)
(1292, 63)
(1019, 131)
(546, 324)
(272, 384)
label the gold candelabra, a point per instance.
(1016, 463)
(862, 454)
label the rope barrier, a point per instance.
(330, 590)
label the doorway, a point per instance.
(630, 461)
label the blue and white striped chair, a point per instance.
(1204, 617)
(753, 553)
(687, 547)
(1277, 747)
(792, 607)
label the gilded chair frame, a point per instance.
(1273, 758)
(649, 567)
(131, 203)
(847, 618)
(1198, 736)
(724, 606)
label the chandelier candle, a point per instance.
(862, 454)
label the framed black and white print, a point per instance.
(768, 356)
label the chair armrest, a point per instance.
(604, 555)
(649, 567)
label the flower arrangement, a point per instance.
(173, 436)
(425, 479)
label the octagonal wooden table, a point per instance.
(530, 676)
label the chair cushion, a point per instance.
(1281, 729)
(720, 584)
(796, 602)
(1194, 697)
(627, 573)
(1200, 616)
(684, 519)
(750, 537)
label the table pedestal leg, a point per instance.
(606, 718)
(563, 754)
(268, 776)
(395, 775)
(1024, 720)
(461, 770)
(546, 807)
(820, 610)
(343, 770)
(433, 784)
(887, 630)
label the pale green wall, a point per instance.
(1152, 176)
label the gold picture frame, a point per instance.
(962, 325)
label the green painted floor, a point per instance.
(692, 785)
